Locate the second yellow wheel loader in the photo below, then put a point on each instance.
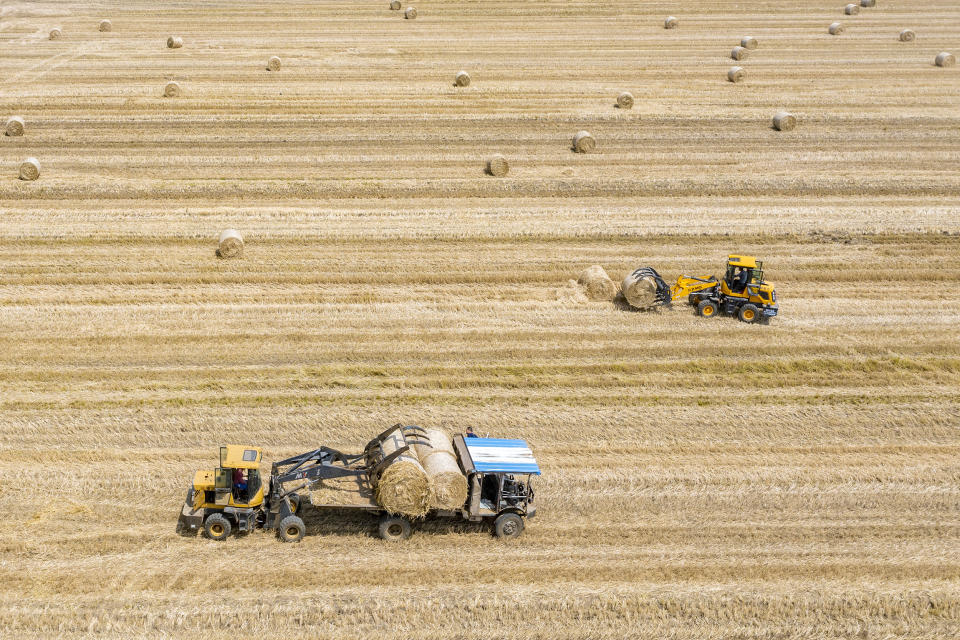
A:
(742, 292)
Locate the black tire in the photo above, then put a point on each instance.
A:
(294, 503)
(693, 299)
(707, 309)
(508, 525)
(217, 527)
(291, 529)
(749, 313)
(394, 528)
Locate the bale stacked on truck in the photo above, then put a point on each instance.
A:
(404, 486)
(448, 485)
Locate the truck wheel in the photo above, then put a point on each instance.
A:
(508, 525)
(707, 309)
(217, 527)
(394, 529)
(749, 313)
(291, 529)
(294, 503)
(693, 299)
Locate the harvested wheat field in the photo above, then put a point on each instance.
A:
(703, 478)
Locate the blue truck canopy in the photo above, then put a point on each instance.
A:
(498, 455)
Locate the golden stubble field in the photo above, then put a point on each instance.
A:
(703, 479)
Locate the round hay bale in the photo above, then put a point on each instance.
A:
(739, 53)
(498, 166)
(29, 169)
(836, 29)
(174, 42)
(404, 487)
(784, 121)
(868, 3)
(583, 142)
(55, 33)
(596, 284)
(171, 90)
(639, 290)
(748, 42)
(625, 100)
(448, 485)
(273, 64)
(14, 126)
(671, 23)
(462, 79)
(395, 5)
(410, 13)
(945, 59)
(907, 35)
(230, 244)
(851, 9)
(106, 25)
(735, 74)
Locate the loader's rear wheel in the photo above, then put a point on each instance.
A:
(217, 527)
(508, 525)
(394, 529)
(707, 309)
(294, 503)
(693, 299)
(291, 529)
(749, 313)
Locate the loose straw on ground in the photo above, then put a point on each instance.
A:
(735, 74)
(945, 59)
(404, 487)
(498, 166)
(174, 42)
(596, 284)
(448, 485)
(784, 121)
(273, 64)
(171, 90)
(14, 126)
(671, 23)
(29, 169)
(583, 142)
(230, 244)
(462, 79)
(625, 100)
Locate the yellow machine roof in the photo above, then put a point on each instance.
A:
(235, 456)
(747, 262)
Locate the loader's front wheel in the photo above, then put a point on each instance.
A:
(291, 529)
(749, 313)
(707, 309)
(508, 525)
(217, 527)
(394, 529)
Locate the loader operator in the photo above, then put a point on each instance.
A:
(470, 433)
(740, 279)
(239, 484)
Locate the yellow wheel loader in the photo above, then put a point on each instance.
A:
(741, 292)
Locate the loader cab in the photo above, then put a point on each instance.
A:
(237, 482)
(741, 272)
